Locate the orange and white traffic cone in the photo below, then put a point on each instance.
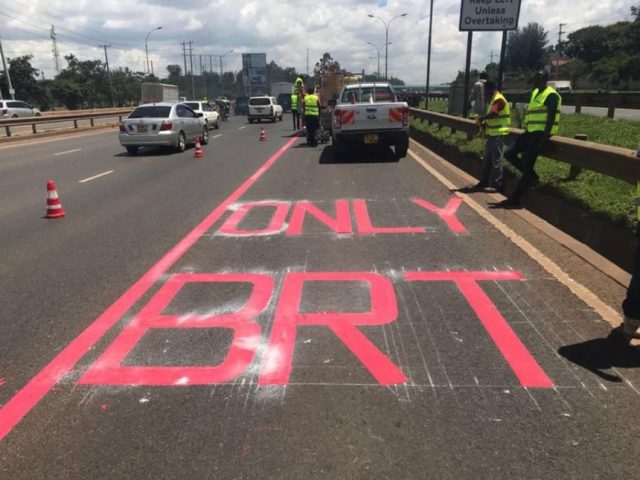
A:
(54, 207)
(263, 134)
(199, 151)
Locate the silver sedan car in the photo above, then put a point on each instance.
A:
(162, 125)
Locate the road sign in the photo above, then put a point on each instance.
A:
(489, 15)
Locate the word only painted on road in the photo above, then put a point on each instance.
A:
(277, 362)
(277, 214)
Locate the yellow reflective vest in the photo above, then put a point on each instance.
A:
(294, 101)
(311, 105)
(498, 126)
(537, 113)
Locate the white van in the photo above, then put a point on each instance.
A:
(561, 86)
(264, 107)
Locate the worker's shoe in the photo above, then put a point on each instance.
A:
(507, 203)
(631, 327)
(478, 187)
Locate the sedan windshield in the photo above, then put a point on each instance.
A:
(151, 112)
(192, 105)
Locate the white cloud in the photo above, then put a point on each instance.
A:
(281, 28)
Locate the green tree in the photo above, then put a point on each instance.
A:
(526, 48)
(24, 79)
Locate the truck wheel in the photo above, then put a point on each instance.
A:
(132, 150)
(181, 146)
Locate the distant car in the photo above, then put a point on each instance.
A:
(162, 125)
(264, 107)
(210, 114)
(284, 99)
(242, 106)
(17, 108)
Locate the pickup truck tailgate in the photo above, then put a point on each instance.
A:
(374, 116)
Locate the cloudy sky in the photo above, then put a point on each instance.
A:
(284, 30)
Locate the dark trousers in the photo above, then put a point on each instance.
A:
(492, 162)
(523, 155)
(631, 304)
(296, 119)
(312, 122)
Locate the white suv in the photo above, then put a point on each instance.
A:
(17, 108)
(209, 113)
(264, 107)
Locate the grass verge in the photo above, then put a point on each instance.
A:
(592, 192)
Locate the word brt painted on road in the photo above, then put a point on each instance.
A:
(277, 363)
(340, 222)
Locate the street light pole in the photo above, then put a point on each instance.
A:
(386, 39)
(426, 97)
(378, 49)
(146, 47)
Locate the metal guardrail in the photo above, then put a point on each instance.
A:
(610, 101)
(72, 117)
(614, 162)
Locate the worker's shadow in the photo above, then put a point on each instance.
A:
(358, 154)
(601, 354)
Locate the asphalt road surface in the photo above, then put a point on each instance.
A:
(272, 311)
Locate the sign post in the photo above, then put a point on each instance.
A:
(487, 16)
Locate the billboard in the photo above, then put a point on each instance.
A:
(254, 71)
(489, 15)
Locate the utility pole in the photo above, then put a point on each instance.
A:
(560, 33)
(54, 49)
(183, 46)
(6, 72)
(307, 62)
(193, 85)
(491, 56)
(204, 80)
(106, 62)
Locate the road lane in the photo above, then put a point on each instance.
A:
(366, 348)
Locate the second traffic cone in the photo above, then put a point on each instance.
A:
(54, 207)
(199, 151)
(263, 134)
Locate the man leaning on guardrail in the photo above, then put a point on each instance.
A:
(494, 123)
(543, 119)
(631, 304)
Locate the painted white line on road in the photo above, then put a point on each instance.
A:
(217, 136)
(68, 151)
(96, 176)
(605, 311)
(240, 128)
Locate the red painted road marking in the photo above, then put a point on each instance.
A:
(447, 214)
(230, 227)
(366, 228)
(341, 224)
(513, 350)
(384, 309)
(29, 396)
(108, 369)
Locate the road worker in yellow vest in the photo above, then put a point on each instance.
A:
(295, 102)
(311, 104)
(542, 119)
(495, 124)
(631, 304)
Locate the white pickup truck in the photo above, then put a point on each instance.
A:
(369, 113)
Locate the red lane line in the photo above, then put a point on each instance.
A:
(28, 397)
